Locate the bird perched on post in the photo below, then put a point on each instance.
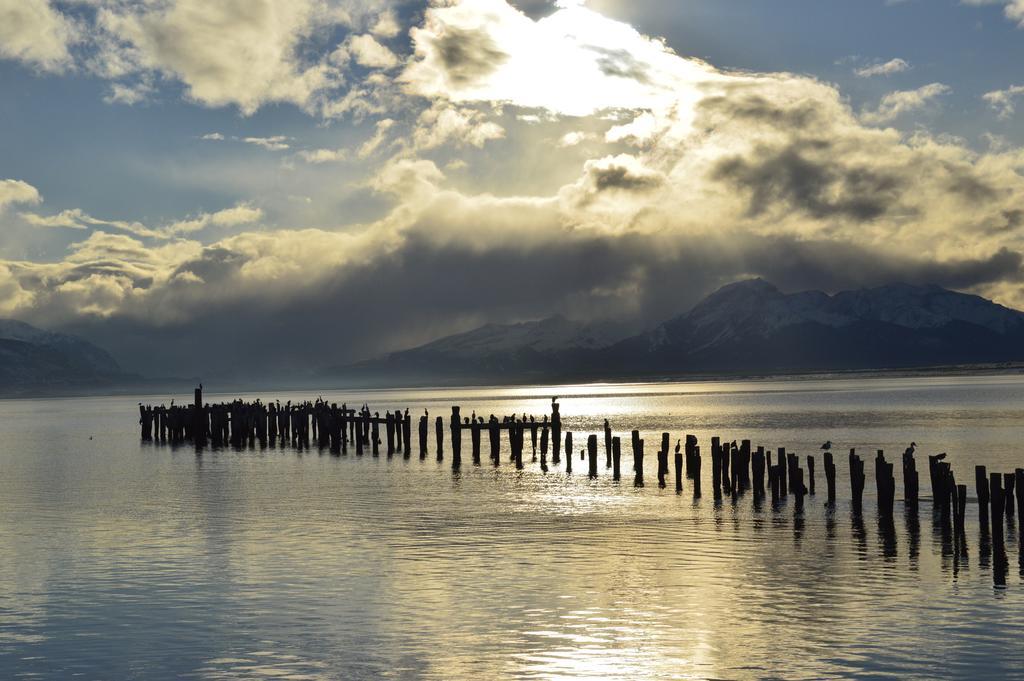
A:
(827, 446)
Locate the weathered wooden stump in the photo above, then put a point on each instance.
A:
(592, 454)
(830, 479)
(638, 461)
(607, 444)
(568, 452)
(856, 480)
(616, 459)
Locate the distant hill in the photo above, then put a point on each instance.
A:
(34, 361)
(552, 346)
(745, 327)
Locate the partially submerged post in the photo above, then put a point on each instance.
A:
(616, 458)
(592, 455)
(638, 460)
(830, 479)
(856, 480)
(981, 486)
(607, 444)
(439, 431)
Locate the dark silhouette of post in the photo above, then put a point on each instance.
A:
(456, 430)
(856, 480)
(607, 444)
(638, 460)
(439, 434)
(592, 456)
(616, 459)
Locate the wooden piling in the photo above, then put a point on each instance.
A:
(439, 433)
(456, 435)
(679, 471)
(885, 485)
(784, 472)
(389, 427)
(592, 456)
(810, 474)
(757, 467)
(1018, 488)
(518, 428)
(830, 479)
(856, 480)
(695, 470)
(998, 506)
(406, 434)
(716, 465)
(616, 458)
(1008, 485)
(607, 444)
(424, 425)
(910, 479)
(981, 487)
(556, 431)
(568, 452)
(638, 462)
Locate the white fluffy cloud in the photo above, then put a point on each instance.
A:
(33, 31)
(691, 176)
(17, 191)
(241, 53)
(1004, 102)
(888, 68)
(895, 104)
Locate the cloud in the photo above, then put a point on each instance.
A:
(68, 219)
(882, 69)
(572, 62)
(17, 191)
(275, 143)
(729, 174)
(571, 139)
(379, 136)
(370, 53)
(76, 218)
(1013, 9)
(318, 156)
(895, 104)
(240, 214)
(213, 136)
(442, 124)
(34, 32)
(1004, 102)
(225, 53)
(386, 25)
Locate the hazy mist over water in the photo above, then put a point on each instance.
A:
(121, 559)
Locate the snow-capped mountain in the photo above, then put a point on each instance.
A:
(752, 326)
(34, 359)
(746, 327)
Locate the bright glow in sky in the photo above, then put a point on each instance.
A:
(170, 166)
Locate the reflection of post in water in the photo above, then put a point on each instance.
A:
(998, 509)
(860, 535)
(913, 524)
(887, 535)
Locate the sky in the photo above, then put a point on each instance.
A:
(281, 185)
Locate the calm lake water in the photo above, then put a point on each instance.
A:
(125, 560)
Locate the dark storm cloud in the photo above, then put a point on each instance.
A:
(621, 64)
(794, 176)
(425, 289)
(622, 177)
(468, 55)
(757, 108)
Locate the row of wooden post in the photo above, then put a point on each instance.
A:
(736, 468)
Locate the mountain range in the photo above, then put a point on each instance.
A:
(747, 327)
(33, 361)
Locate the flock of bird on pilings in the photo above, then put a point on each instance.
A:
(736, 468)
